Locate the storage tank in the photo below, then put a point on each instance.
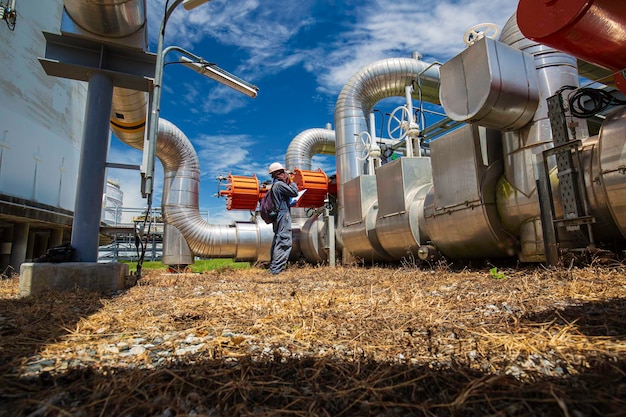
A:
(40, 138)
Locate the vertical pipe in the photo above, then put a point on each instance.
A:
(90, 187)
(370, 159)
(330, 223)
(408, 91)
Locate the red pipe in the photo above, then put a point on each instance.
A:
(592, 30)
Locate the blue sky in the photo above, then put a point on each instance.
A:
(300, 53)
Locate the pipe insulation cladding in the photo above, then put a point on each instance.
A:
(108, 18)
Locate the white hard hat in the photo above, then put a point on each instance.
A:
(276, 166)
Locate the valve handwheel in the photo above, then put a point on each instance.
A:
(366, 141)
(476, 32)
(399, 123)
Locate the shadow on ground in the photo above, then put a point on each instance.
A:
(312, 387)
(598, 318)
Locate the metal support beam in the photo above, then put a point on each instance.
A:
(77, 58)
(546, 208)
(91, 173)
(123, 166)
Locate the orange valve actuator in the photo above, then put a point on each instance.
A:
(242, 193)
(316, 185)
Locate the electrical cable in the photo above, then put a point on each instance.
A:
(139, 239)
(587, 102)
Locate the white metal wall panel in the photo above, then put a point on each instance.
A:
(41, 117)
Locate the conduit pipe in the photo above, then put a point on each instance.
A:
(318, 141)
(309, 232)
(299, 155)
(300, 152)
(240, 241)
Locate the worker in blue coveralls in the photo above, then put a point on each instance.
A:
(282, 190)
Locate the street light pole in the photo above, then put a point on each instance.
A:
(147, 185)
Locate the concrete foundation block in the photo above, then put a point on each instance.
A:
(92, 276)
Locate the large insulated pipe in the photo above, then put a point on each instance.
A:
(516, 191)
(307, 144)
(304, 146)
(241, 241)
(109, 18)
(299, 155)
(374, 82)
(592, 30)
(300, 152)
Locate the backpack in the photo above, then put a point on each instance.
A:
(267, 208)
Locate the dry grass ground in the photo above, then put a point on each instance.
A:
(321, 341)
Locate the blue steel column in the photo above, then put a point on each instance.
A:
(91, 173)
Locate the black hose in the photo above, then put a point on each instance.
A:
(587, 102)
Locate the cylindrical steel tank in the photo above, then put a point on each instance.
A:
(612, 172)
(41, 119)
(41, 116)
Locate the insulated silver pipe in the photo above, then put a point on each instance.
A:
(516, 192)
(317, 141)
(110, 18)
(376, 81)
(300, 153)
(240, 241)
(307, 144)
(379, 80)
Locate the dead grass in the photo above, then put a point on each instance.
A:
(321, 341)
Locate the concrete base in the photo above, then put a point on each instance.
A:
(92, 276)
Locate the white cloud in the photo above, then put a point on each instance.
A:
(219, 154)
(391, 29)
(266, 33)
(324, 162)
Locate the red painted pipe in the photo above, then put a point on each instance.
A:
(592, 30)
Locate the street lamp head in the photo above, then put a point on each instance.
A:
(191, 4)
(221, 76)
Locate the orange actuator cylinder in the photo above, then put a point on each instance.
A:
(242, 193)
(316, 185)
